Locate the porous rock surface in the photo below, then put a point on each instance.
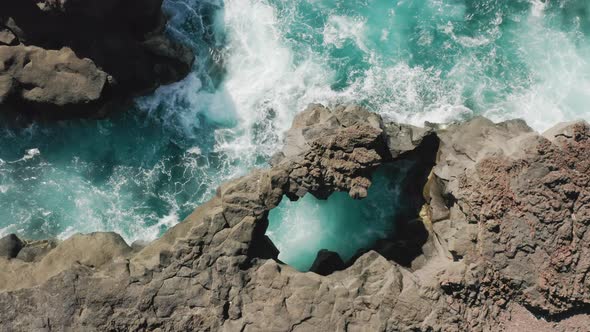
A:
(72, 58)
(506, 212)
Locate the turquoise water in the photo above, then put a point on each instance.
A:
(300, 229)
(262, 61)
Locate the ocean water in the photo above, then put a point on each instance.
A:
(259, 62)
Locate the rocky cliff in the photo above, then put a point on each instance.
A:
(70, 58)
(498, 241)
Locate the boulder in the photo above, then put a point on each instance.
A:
(74, 58)
(335, 145)
(516, 212)
(10, 245)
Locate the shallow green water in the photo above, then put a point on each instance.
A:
(262, 61)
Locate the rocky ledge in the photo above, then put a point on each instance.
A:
(71, 58)
(498, 241)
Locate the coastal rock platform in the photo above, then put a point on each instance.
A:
(505, 210)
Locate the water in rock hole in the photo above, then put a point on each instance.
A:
(300, 229)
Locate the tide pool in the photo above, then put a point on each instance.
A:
(340, 224)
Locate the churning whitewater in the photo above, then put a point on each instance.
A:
(259, 62)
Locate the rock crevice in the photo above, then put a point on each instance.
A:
(72, 58)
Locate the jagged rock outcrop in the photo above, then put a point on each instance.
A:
(72, 58)
(506, 214)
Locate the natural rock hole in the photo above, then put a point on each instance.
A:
(328, 235)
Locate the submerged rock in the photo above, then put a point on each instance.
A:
(71, 58)
(504, 237)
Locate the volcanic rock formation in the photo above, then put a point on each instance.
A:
(70, 58)
(505, 213)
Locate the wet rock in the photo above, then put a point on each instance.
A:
(81, 58)
(31, 76)
(327, 262)
(10, 245)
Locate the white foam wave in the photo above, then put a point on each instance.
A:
(339, 28)
(263, 73)
(559, 87)
(151, 233)
(6, 230)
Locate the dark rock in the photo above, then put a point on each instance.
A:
(10, 245)
(327, 262)
(406, 243)
(119, 47)
(263, 248)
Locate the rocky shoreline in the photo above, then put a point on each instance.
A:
(71, 59)
(498, 242)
